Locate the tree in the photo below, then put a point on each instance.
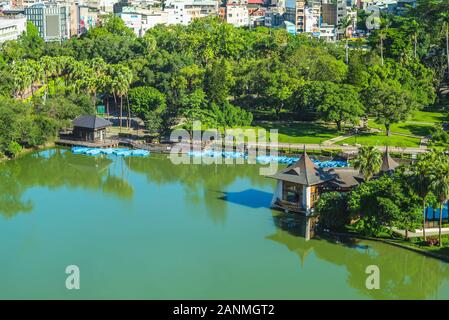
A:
(146, 100)
(414, 28)
(342, 105)
(380, 204)
(333, 210)
(420, 177)
(315, 63)
(384, 24)
(31, 42)
(310, 96)
(444, 17)
(117, 26)
(368, 161)
(218, 81)
(440, 187)
(121, 80)
(389, 103)
(14, 149)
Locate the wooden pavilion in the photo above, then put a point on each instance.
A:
(300, 185)
(90, 128)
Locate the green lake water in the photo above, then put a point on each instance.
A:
(143, 228)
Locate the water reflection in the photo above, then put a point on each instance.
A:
(404, 274)
(55, 168)
(202, 184)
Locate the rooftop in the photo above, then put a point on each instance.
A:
(388, 164)
(91, 122)
(304, 172)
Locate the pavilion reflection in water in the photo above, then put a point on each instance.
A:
(405, 274)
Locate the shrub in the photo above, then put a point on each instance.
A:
(13, 149)
(333, 210)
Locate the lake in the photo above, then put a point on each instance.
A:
(144, 228)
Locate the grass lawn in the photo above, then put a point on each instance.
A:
(430, 117)
(380, 139)
(420, 124)
(417, 129)
(310, 133)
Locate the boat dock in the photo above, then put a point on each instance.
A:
(88, 144)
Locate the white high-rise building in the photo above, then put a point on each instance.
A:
(237, 14)
(11, 27)
(51, 19)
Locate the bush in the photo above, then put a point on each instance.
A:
(333, 210)
(439, 136)
(13, 149)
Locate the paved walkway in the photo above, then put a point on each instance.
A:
(300, 146)
(418, 232)
(424, 143)
(337, 139)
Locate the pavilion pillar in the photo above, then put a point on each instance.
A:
(306, 198)
(277, 192)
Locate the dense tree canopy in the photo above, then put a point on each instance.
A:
(227, 76)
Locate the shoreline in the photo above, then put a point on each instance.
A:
(25, 151)
(392, 242)
(320, 235)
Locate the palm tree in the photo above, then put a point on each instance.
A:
(49, 70)
(105, 84)
(368, 161)
(444, 17)
(440, 187)
(414, 28)
(420, 177)
(22, 75)
(384, 24)
(98, 68)
(121, 80)
(344, 24)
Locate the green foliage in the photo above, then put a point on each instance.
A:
(232, 116)
(333, 211)
(389, 103)
(380, 204)
(31, 42)
(218, 81)
(13, 149)
(145, 100)
(342, 105)
(368, 161)
(439, 136)
(216, 73)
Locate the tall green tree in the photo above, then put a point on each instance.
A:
(389, 103)
(440, 188)
(420, 177)
(218, 81)
(342, 105)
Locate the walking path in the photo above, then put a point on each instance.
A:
(300, 146)
(424, 143)
(337, 139)
(419, 233)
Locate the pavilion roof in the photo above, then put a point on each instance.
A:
(388, 164)
(304, 172)
(91, 122)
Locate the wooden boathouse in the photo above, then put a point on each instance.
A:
(88, 131)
